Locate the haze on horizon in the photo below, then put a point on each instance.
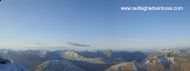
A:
(90, 24)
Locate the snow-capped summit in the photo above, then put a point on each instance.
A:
(4, 51)
(168, 60)
(171, 51)
(167, 54)
(73, 55)
(42, 53)
(164, 57)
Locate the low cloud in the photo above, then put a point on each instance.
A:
(78, 44)
(42, 44)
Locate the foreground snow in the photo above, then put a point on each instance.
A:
(12, 67)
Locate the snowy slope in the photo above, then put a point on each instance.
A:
(58, 65)
(8, 65)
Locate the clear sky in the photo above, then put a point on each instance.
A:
(92, 24)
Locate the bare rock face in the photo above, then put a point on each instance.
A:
(123, 67)
(58, 65)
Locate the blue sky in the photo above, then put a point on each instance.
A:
(96, 24)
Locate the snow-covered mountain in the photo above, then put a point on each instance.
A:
(168, 60)
(73, 55)
(161, 60)
(57, 65)
(70, 60)
(163, 56)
